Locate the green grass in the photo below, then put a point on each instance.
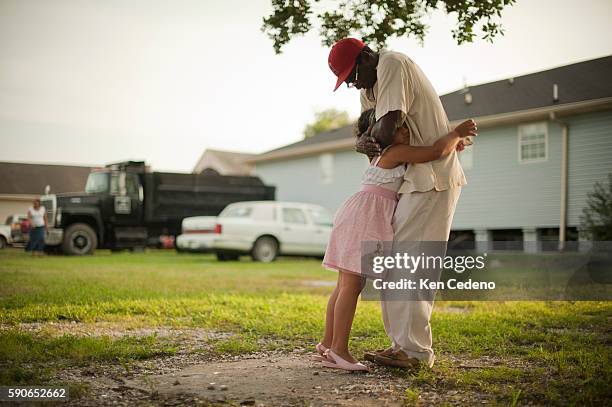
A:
(545, 352)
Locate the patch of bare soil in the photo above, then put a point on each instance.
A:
(274, 380)
(262, 379)
(115, 330)
(196, 375)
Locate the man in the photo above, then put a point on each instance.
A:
(399, 91)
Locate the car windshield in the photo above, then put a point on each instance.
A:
(97, 182)
(321, 217)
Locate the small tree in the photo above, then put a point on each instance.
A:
(596, 219)
(326, 120)
(376, 21)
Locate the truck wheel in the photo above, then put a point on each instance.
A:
(2, 242)
(79, 239)
(265, 249)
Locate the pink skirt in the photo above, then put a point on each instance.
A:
(365, 216)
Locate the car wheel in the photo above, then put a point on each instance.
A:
(265, 249)
(79, 239)
(2, 242)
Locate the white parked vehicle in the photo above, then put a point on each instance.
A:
(263, 229)
(5, 236)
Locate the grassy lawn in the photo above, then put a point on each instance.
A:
(545, 352)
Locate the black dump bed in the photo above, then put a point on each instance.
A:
(170, 196)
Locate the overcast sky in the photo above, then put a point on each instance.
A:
(92, 82)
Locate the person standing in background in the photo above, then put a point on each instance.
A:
(37, 215)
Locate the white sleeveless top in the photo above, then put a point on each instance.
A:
(388, 178)
(38, 216)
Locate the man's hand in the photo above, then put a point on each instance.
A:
(366, 144)
(467, 128)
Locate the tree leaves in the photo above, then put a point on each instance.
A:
(326, 120)
(377, 21)
(596, 219)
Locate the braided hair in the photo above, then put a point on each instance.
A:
(367, 119)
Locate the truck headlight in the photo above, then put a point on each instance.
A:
(58, 217)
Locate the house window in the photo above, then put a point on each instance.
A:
(326, 168)
(466, 158)
(533, 142)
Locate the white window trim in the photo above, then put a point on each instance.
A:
(518, 140)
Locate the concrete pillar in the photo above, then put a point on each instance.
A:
(532, 243)
(484, 240)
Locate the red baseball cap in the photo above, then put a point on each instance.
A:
(342, 58)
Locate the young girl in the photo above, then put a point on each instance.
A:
(367, 216)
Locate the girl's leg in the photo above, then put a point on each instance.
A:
(344, 311)
(328, 334)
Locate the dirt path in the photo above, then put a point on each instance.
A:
(275, 380)
(272, 379)
(197, 376)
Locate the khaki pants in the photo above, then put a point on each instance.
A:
(420, 216)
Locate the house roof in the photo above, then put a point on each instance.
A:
(224, 162)
(577, 82)
(31, 179)
(332, 135)
(512, 98)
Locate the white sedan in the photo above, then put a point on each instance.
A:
(266, 229)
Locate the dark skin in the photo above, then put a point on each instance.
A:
(383, 132)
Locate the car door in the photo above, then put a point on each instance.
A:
(295, 231)
(127, 199)
(322, 226)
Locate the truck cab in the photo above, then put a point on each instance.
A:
(109, 213)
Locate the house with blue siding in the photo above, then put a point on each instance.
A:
(544, 140)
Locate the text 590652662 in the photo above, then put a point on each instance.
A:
(32, 393)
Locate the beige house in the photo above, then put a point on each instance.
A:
(20, 183)
(225, 162)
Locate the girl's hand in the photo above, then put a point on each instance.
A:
(467, 128)
(367, 144)
(460, 146)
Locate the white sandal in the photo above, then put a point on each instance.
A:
(321, 350)
(339, 363)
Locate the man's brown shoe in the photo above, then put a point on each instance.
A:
(397, 359)
(371, 355)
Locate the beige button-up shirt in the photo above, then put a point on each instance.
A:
(402, 85)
